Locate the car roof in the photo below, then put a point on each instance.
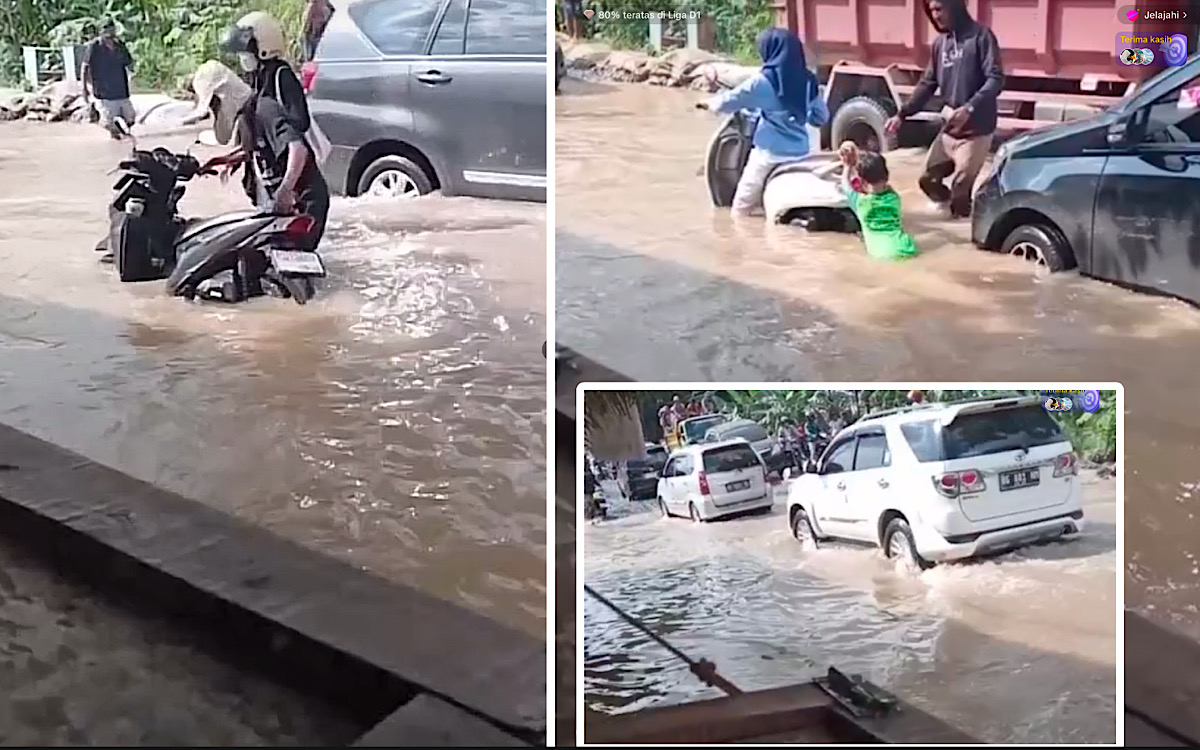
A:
(705, 447)
(943, 412)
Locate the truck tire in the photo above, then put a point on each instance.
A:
(861, 119)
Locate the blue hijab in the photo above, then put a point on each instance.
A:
(785, 69)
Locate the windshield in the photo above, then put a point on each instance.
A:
(656, 458)
(694, 429)
(729, 458)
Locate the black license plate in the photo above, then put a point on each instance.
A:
(1015, 480)
(735, 486)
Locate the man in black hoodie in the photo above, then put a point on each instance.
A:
(964, 66)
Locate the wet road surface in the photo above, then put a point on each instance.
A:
(1016, 648)
(396, 422)
(654, 282)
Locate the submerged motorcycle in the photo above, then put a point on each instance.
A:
(229, 258)
(805, 191)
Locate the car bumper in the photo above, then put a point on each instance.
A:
(643, 490)
(712, 510)
(986, 209)
(336, 170)
(932, 546)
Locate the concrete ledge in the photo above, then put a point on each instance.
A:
(430, 722)
(1162, 686)
(322, 625)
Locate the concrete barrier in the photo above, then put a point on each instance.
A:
(416, 666)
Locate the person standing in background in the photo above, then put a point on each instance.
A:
(572, 11)
(316, 16)
(105, 72)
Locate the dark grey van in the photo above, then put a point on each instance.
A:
(421, 95)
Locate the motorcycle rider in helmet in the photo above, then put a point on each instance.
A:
(282, 171)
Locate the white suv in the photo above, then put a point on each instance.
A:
(711, 480)
(943, 482)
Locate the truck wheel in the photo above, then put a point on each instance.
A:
(861, 119)
(1042, 244)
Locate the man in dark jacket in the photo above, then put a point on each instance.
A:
(965, 67)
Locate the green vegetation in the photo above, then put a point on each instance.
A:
(736, 23)
(167, 38)
(1094, 435)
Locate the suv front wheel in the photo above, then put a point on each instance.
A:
(898, 544)
(802, 530)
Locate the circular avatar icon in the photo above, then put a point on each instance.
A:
(1147, 56)
(1090, 401)
(1066, 403)
(1126, 56)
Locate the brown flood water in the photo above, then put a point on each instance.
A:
(1019, 647)
(396, 422)
(654, 282)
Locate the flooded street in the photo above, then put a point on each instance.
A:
(654, 282)
(396, 421)
(1017, 648)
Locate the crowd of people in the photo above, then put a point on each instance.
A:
(671, 414)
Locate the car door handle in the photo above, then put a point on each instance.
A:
(883, 483)
(433, 77)
(841, 485)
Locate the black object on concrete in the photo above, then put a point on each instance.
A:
(367, 646)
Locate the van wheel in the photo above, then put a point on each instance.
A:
(898, 544)
(394, 177)
(1042, 244)
(662, 507)
(695, 514)
(861, 119)
(802, 530)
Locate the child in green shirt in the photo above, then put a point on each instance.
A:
(877, 206)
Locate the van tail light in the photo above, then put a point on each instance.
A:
(955, 483)
(704, 490)
(308, 75)
(1066, 465)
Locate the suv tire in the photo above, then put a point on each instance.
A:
(694, 514)
(802, 530)
(898, 543)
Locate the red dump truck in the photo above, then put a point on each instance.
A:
(1059, 57)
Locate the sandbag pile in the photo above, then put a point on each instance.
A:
(55, 102)
(678, 68)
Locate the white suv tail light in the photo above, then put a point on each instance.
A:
(955, 483)
(1066, 465)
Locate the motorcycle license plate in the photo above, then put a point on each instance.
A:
(298, 262)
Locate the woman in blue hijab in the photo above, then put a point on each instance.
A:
(787, 99)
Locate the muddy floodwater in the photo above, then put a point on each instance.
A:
(653, 281)
(396, 421)
(74, 671)
(1017, 648)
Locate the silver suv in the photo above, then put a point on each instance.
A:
(420, 95)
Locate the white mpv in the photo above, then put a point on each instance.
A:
(710, 480)
(943, 482)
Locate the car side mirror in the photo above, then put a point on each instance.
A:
(1118, 133)
(832, 468)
